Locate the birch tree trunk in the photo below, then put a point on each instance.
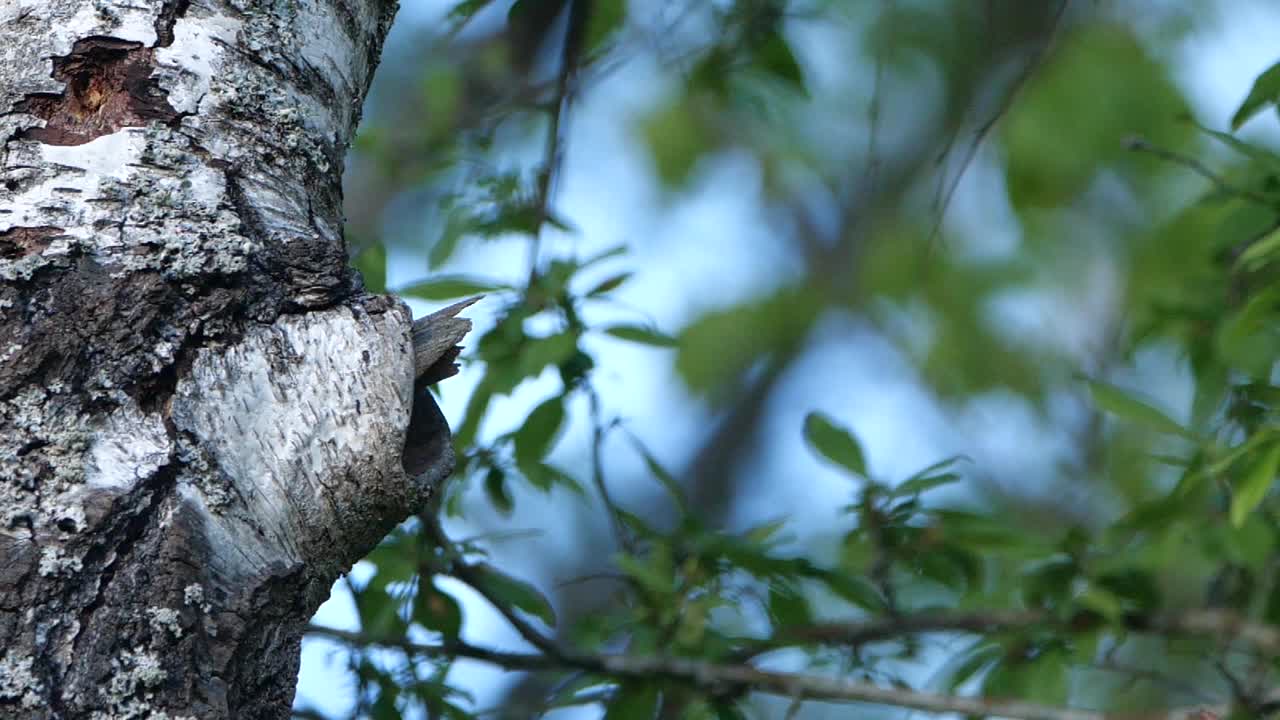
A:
(203, 415)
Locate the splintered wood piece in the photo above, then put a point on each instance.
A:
(435, 342)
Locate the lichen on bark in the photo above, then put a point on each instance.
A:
(202, 413)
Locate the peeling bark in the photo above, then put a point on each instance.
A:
(107, 86)
(203, 415)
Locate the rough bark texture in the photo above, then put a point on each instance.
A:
(202, 414)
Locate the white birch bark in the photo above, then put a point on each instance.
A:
(202, 414)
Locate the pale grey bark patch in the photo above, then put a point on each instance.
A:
(203, 416)
(306, 420)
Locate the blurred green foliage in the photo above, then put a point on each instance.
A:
(1130, 224)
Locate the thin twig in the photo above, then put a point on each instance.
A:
(616, 578)
(980, 135)
(857, 634)
(881, 573)
(1138, 144)
(553, 151)
(873, 118)
(620, 533)
(444, 650)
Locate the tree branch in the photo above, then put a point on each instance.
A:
(1138, 144)
(1220, 625)
(715, 677)
(558, 110)
(445, 650)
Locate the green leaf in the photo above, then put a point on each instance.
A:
(641, 334)
(677, 137)
(506, 339)
(986, 533)
(545, 476)
(1271, 607)
(477, 405)
(834, 443)
(1265, 91)
(1006, 678)
(727, 710)
(609, 284)
(756, 559)
(855, 589)
(495, 486)
(787, 605)
(1163, 513)
(535, 437)
(972, 663)
(711, 73)
(1137, 589)
(1052, 155)
(1103, 602)
(1253, 488)
(919, 485)
(766, 534)
(1048, 678)
(636, 524)
(606, 17)
(655, 576)
(775, 57)
(379, 613)
(536, 353)
(575, 369)
(1249, 338)
(448, 287)
(553, 281)
(384, 708)
(517, 593)
(510, 220)
(663, 477)
(950, 565)
(928, 479)
(559, 223)
(396, 560)
(447, 243)
(634, 702)
(607, 253)
(372, 264)
(1262, 251)
(1047, 583)
(1125, 406)
(719, 347)
(463, 11)
(437, 610)
(1230, 455)
(1264, 156)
